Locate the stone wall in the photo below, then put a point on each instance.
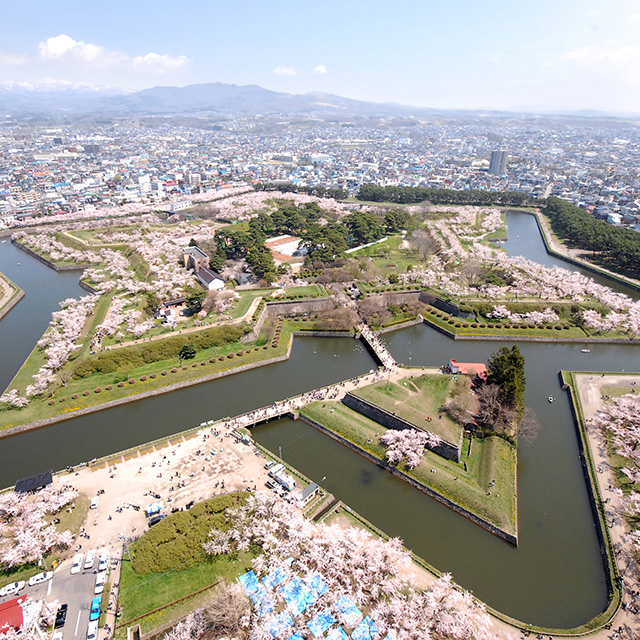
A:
(48, 263)
(481, 522)
(445, 449)
(288, 307)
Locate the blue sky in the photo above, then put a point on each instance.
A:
(545, 55)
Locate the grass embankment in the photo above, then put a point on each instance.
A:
(417, 400)
(466, 483)
(128, 381)
(169, 563)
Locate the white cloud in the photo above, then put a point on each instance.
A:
(7, 58)
(159, 63)
(320, 70)
(634, 18)
(63, 48)
(623, 61)
(284, 71)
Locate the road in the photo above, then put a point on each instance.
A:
(77, 591)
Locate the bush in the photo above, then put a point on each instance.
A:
(52, 402)
(174, 370)
(109, 387)
(97, 390)
(62, 399)
(132, 381)
(85, 393)
(221, 358)
(121, 384)
(230, 356)
(265, 346)
(143, 378)
(164, 373)
(483, 325)
(240, 354)
(74, 396)
(203, 363)
(212, 360)
(474, 325)
(153, 376)
(195, 364)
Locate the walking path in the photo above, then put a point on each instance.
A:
(379, 347)
(246, 317)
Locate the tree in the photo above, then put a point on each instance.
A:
(261, 261)
(363, 228)
(187, 352)
(396, 220)
(506, 369)
(194, 302)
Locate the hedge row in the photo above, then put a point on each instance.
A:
(126, 358)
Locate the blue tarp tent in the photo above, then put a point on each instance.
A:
(275, 578)
(279, 624)
(337, 634)
(295, 636)
(316, 584)
(249, 582)
(365, 630)
(320, 623)
(261, 602)
(297, 596)
(348, 613)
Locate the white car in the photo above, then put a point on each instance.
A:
(104, 560)
(40, 577)
(92, 630)
(77, 563)
(101, 578)
(88, 563)
(12, 588)
(95, 501)
(57, 635)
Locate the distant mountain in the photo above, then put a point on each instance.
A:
(52, 98)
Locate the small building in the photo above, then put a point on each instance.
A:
(210, 279)
(194, 258)
(308, 493)
(34, 483)
(467, 368)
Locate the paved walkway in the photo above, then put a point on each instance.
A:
(379, 347)
(6, 291)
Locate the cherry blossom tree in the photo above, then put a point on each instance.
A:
(408, 445)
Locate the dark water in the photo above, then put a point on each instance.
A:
(554, 578)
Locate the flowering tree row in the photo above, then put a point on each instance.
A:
(408, 445)
(25, 533)
(352, 563)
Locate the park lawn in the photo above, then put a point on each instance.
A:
(142, 593)
(242, 304)
(306, 291)
(534, 332)
(617, 390)
(486, 460)
(415, 400)
(191, 371)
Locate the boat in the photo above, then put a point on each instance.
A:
(19, 264)
(586, 350)
(550, 398)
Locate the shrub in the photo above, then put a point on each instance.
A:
(491, 325)
(230, 356)
(121, 384)
(98, 390)
(174, 370)
(558, 327)
(265, 346)
(109, 387)
(74, 396)
(143, 378)
(458, 325)
(474, 325)
(52, 402)
(483, 325)
(62, 399)
(203, 363)
(164, 373)
(153, 376)
(221, 358)
(212, 360)
(195, 364)
(132, 381)
(240, 354)
(85, 393)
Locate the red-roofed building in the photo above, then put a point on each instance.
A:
(467, 368)
(11, 614)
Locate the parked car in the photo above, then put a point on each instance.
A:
(11, 588)
(92, 630)
(40, 577)
(57, 635)
(156, 519)
(95, 501)
(94, 613)
(77, 563)
(61, 616)
(104, 560)
(88, 563)
(101, 578)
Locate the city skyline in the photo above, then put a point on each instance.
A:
(547, 57)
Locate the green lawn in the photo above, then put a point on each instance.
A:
(415, 400)
(306, 291)
(63, 402)
(487, 460)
